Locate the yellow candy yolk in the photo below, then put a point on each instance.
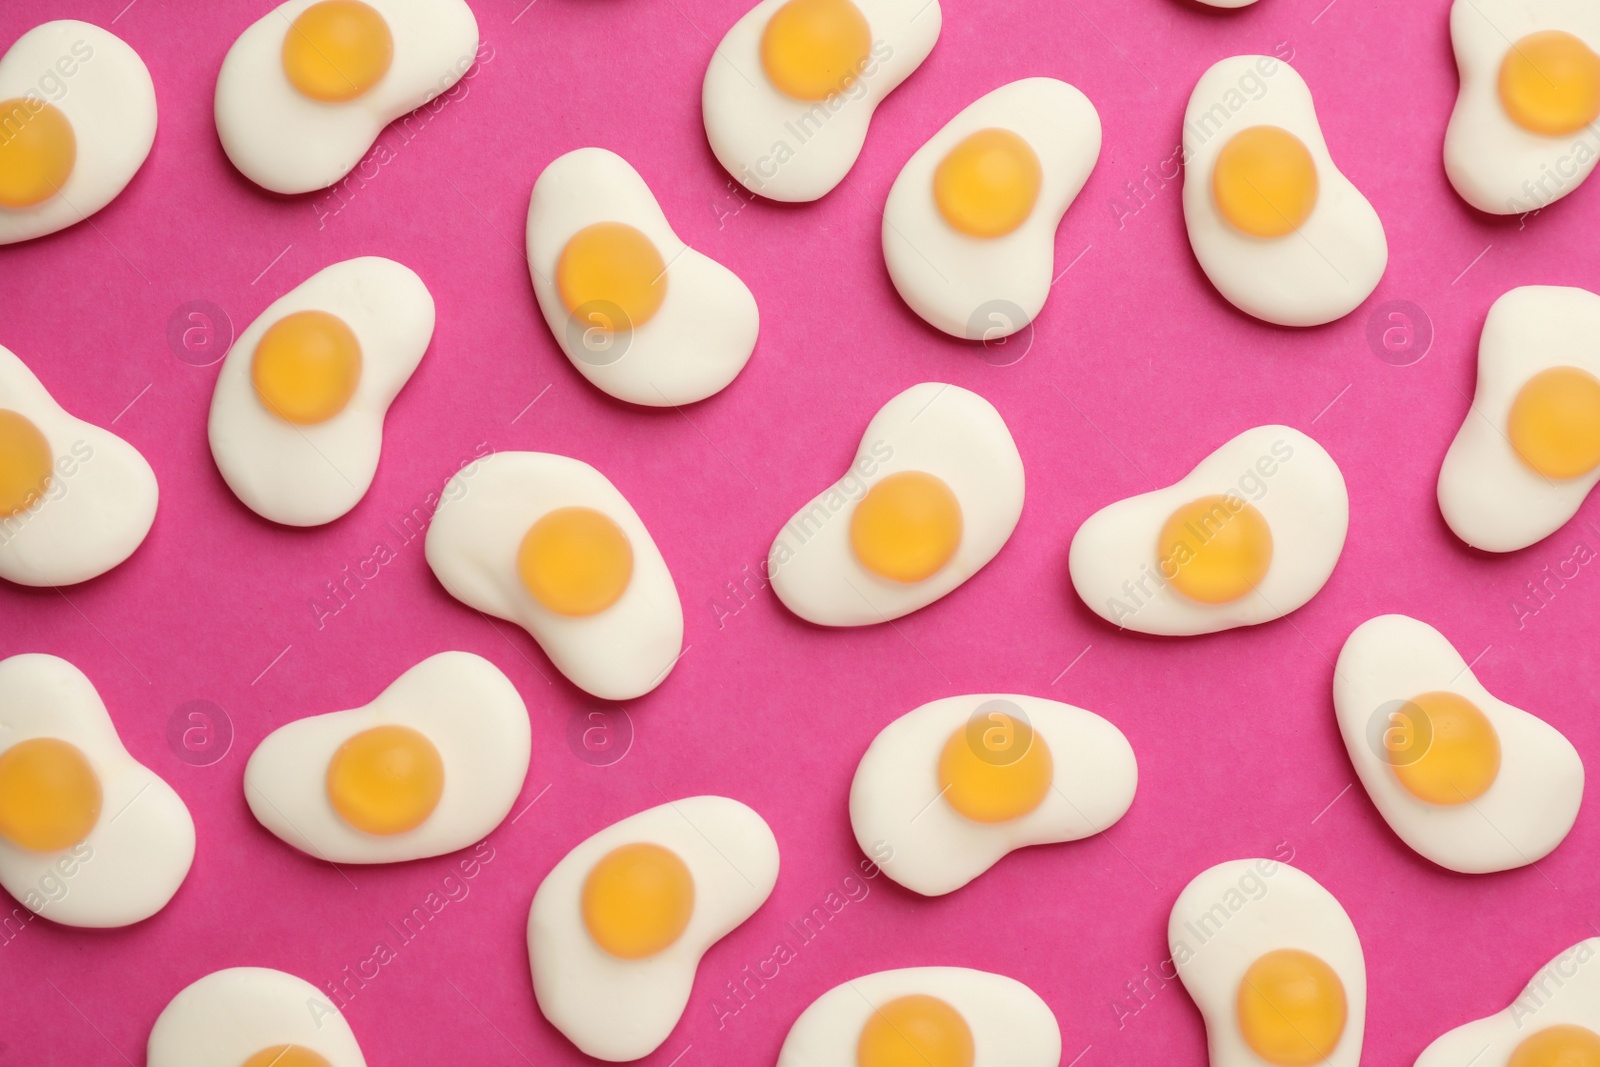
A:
(286, 1056)
(1265, 182)
(1215, 549)
(614, 266)
(49, 795)
(637, 900)
(986, 186)
(907, 527)
(386, 780)
(1291, 1008)
(575, 561)
(1555, 422)
(337, 50)
(306, 367)
(37, 152)
(24, 464)
(1563, 1045)
(812, 49)
(1550, 83)
(915, 1031)
(995, 770)
(1462, 758)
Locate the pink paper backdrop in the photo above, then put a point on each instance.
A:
(1137, 369)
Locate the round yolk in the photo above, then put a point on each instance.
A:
(637, 900)
(37, 151)
(286, 1056)
(1564, 1045)
(337, 50)
(386, 780)
(1215, 549)
(306, 367)
(612, 263)
(575, 561)
(1462, 758)
(915, 1031)
(1291, 1008)
(906, 527)
(1555, 422)
(24, 464)
(1265, 182)
(1550, 83)
(997, 771)
(49, 795)
(812, 49)
(986, 186)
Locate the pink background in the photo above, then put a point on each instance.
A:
(1137, 370)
